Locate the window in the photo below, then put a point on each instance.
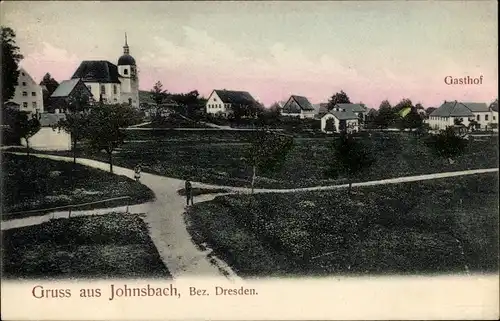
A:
(485, 117)
(115, 89)
(24, 83)
(33, 104)
(494, 117)
(23, 74)
(25, 93)
(25, 104)
(33, 93)
(125, 71)
(103, 89)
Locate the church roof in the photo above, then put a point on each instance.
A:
(127, 60)
(101, 71)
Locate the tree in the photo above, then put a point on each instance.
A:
(26, 127)
(75, 124)
(105, 128)
(51, 85)
(447, 144)
(385, 116)
(267, 152)
(11, 57)
(338, 98)
(350, 158)
(159, 95)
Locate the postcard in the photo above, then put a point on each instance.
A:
(249, 160)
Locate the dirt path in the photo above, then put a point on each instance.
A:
(165, 215)
(165, 218)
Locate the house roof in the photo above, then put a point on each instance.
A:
(100, 71)
(342, 115)
(235, 97)
(477, 107)
(303, 102)
(457, 109)
(65, 88)
(356, 108)
(49, 119)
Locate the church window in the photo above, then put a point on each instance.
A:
(103, 89)
(25, 93)
(115, 90)
(24, 83)
(125, 71)
(25, 104)
(33, 93)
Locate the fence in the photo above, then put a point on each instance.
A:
(70, 208)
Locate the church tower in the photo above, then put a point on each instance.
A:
(129, 91)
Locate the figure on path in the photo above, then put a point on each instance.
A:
(137, 172)
(189, 192)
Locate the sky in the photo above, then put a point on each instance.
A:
(373, 50)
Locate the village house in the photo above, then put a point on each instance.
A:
(340, 118)
(223, 102)
(67, 92)
(28, 94)
(453, 112)
(298, 106)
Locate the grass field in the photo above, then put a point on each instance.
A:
(105, 246)
(36, 183)
(215, 157)
(410, 228)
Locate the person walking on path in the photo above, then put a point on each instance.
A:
(189, 192)
(137, 172)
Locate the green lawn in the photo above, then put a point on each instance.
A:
(36, 183)
(107, 246)
(215, 157)
(409, 228)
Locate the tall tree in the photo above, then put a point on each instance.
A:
(51, 85)
(26, 126)
(350, 158)
(77, 119)
(338, 98)
(385, 116)
(11, 57)
(105, 131)
(267, 152)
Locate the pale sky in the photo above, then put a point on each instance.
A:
(373, 50)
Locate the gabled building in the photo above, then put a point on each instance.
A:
(113, 84)
(68, 91)
(223, 102)
(298, 106)
(28, 94)
(453, 112)
(339, 119)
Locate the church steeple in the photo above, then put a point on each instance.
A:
(126, 50)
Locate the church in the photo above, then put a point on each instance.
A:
(110, 83)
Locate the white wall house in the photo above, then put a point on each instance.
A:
(449, 112)
(348, 119)
(28, 94)
(220, 102)
(298, 106)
